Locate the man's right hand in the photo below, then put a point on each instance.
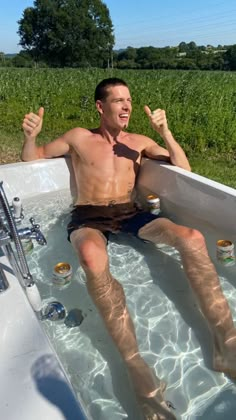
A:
(32, 124)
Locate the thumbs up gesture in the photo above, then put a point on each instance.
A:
(32, 124)
(157, 119)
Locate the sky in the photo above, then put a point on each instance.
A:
(139, 23)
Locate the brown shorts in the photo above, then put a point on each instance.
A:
(114, 218)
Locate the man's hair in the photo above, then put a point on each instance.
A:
(101, 91)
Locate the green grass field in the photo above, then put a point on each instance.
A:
(200, 109)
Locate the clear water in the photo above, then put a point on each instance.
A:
(172, 336)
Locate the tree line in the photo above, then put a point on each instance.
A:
(80, 33)
(185, 56)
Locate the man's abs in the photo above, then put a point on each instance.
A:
(100, 190)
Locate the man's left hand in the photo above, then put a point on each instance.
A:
(157, 119)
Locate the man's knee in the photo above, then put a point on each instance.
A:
(194, 235)
(192, 238)
(92, 255)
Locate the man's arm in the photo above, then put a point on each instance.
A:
(32, 125)
(174, 150)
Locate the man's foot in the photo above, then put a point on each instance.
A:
(155, 408)
(224, 358)
(149, 390)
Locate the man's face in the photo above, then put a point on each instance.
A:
(115, 110)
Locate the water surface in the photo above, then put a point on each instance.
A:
(172, 335)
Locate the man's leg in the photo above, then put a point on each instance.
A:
(205, 283)
(108, 296)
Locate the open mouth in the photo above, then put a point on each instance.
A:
(124, 116)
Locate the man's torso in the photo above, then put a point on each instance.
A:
(105, 171)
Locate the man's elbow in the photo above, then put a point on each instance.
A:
(37, 153)
(25, 157)
(182, 165)
(187, 167)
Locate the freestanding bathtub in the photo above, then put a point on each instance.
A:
(35, 382)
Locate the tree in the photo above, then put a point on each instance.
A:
(75, 33)
(192, 46)
(183, 47)
(230, 57)
(23, 59)
(129, 54)
(147, 57)
(2, 57)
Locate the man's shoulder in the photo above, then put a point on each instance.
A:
(141, 138)
(78, 133)
(80, 130)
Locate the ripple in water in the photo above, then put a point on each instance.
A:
(172, 336)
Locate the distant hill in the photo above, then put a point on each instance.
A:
(10, 55)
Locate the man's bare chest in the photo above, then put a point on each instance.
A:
(117, 154)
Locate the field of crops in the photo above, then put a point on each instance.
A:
(200, 108)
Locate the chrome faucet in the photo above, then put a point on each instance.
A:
(24, 233)
(9, 232)
(32, 233)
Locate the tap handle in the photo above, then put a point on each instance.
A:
(17, 207)
(40, 238)
(35, 226)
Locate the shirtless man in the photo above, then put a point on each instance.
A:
(106, 162)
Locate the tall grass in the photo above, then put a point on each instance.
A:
(200, 106)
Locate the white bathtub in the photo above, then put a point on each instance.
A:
(35, 384)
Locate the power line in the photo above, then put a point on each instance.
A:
(188, 20)
(203, 24)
